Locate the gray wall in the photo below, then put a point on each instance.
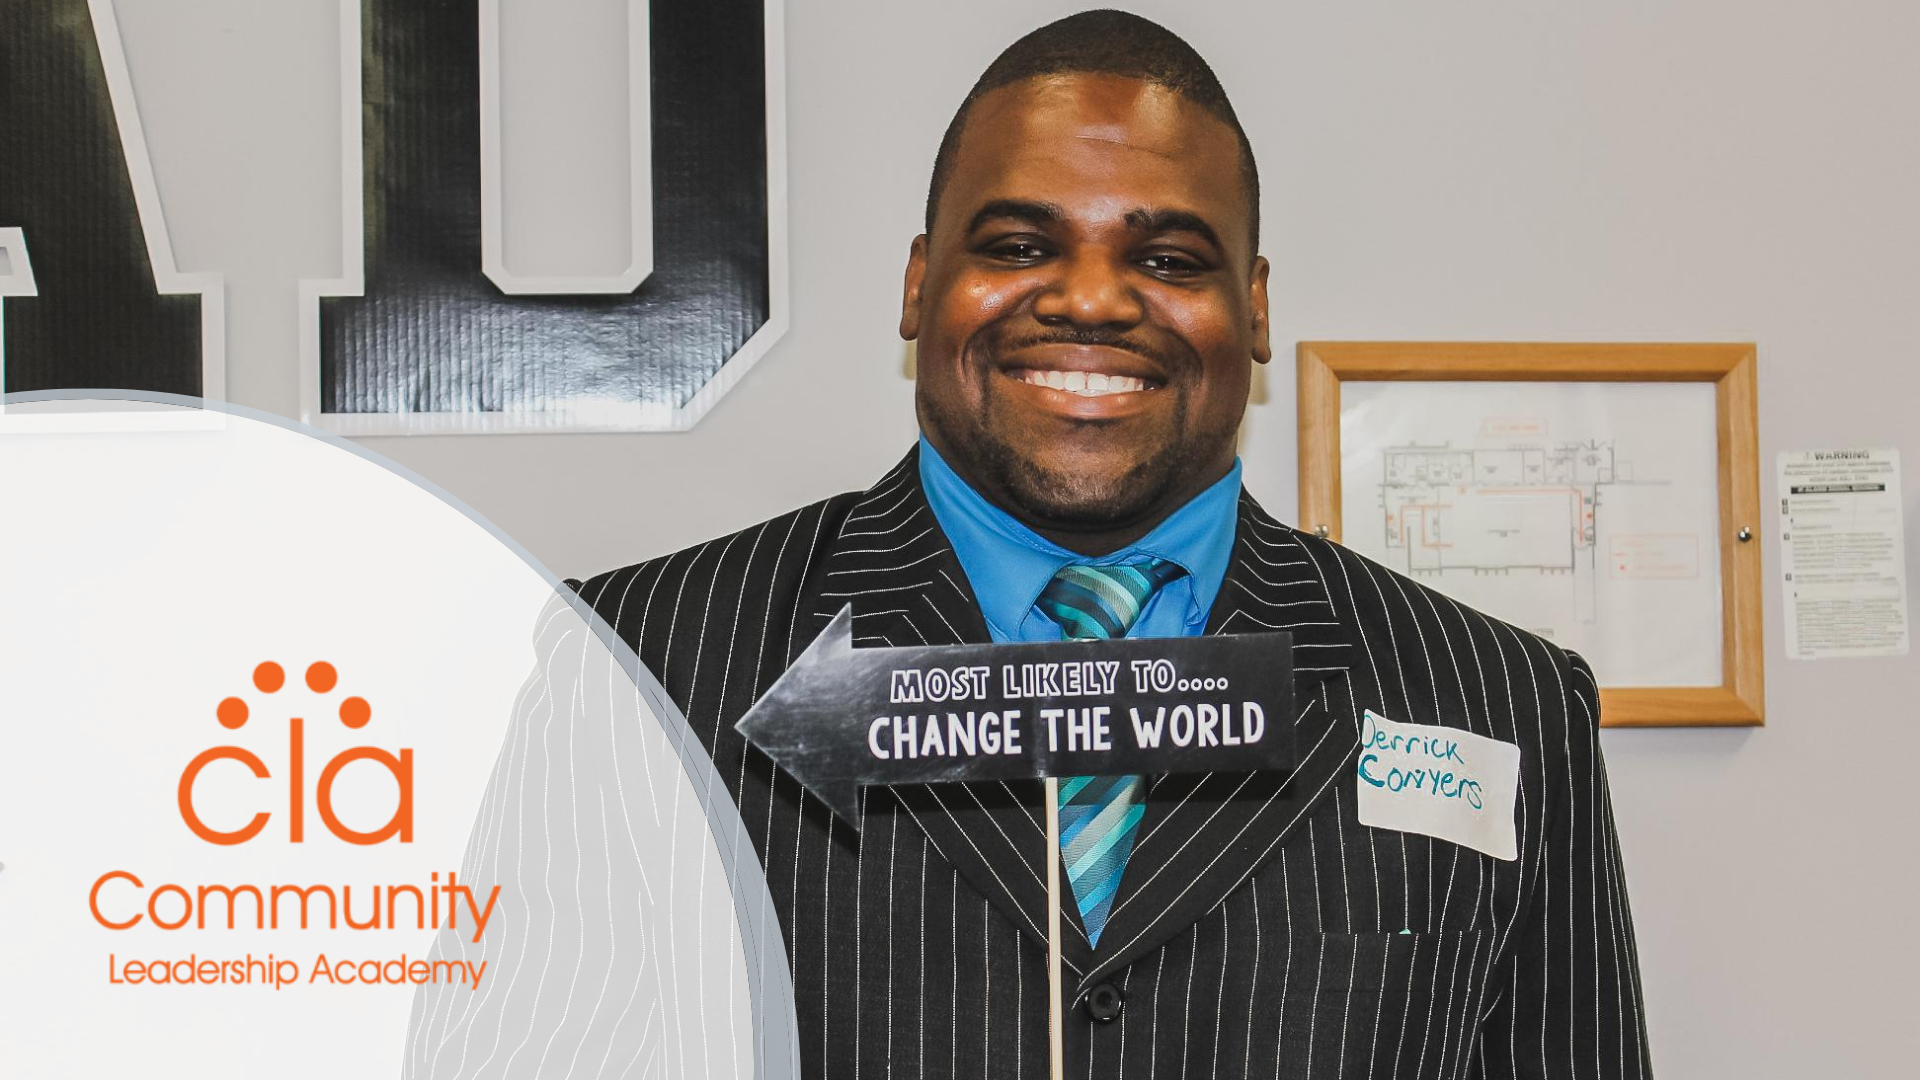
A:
(1688, 170)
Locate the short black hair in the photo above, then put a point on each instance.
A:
(1104, 42)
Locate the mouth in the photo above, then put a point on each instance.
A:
(1086, 384)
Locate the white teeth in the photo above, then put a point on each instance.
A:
(1085, 384)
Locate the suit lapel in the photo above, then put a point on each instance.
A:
(1205, 834)
(893, 564)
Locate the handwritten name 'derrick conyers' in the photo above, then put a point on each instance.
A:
(1430, 762)
(1440, 781)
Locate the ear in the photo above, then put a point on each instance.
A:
(910, 294)
(1262, 347)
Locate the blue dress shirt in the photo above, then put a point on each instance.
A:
(1008, 563)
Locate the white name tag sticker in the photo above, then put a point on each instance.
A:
(1440, 782)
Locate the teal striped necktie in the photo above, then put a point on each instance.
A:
(1100, 814)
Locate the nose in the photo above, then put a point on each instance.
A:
(1089, 291)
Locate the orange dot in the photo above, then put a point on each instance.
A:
(232, 712)
(268, 677)
(321, 677)
(355, 712)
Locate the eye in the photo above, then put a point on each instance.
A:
(1019, 251)
(1172, 264)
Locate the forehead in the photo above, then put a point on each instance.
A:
(1097, 146)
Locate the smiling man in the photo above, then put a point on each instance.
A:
(1088, 305)
(1086, 297)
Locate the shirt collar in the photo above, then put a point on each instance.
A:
(1008, 563)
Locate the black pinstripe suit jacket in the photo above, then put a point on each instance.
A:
(1260, 930)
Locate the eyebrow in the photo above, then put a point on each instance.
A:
(1166, 221)
(1037, 213)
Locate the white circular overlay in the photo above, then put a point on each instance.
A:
(246, 668)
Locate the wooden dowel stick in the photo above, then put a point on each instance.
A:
(1056, 1023)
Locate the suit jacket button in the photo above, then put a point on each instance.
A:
(1104, 1003)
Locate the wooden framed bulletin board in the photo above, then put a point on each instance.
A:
(1605, 496)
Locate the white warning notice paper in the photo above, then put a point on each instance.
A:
(1842, 553)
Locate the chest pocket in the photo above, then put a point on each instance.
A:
(1339, 963)
(1403, 1005)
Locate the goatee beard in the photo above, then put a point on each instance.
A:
(1074, 500)
(1056, 500)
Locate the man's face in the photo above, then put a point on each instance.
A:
(1088, 302)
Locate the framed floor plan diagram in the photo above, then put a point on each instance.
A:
(1605, 497)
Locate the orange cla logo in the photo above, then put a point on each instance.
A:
(354, 713)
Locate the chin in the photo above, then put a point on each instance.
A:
(1087, 492)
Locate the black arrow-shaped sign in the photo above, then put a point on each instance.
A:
(842, 717)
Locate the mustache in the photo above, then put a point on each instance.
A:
(1097, 337)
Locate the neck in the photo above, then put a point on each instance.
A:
(1095, 538)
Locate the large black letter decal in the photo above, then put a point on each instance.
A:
(430, 343)
(108, 309)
